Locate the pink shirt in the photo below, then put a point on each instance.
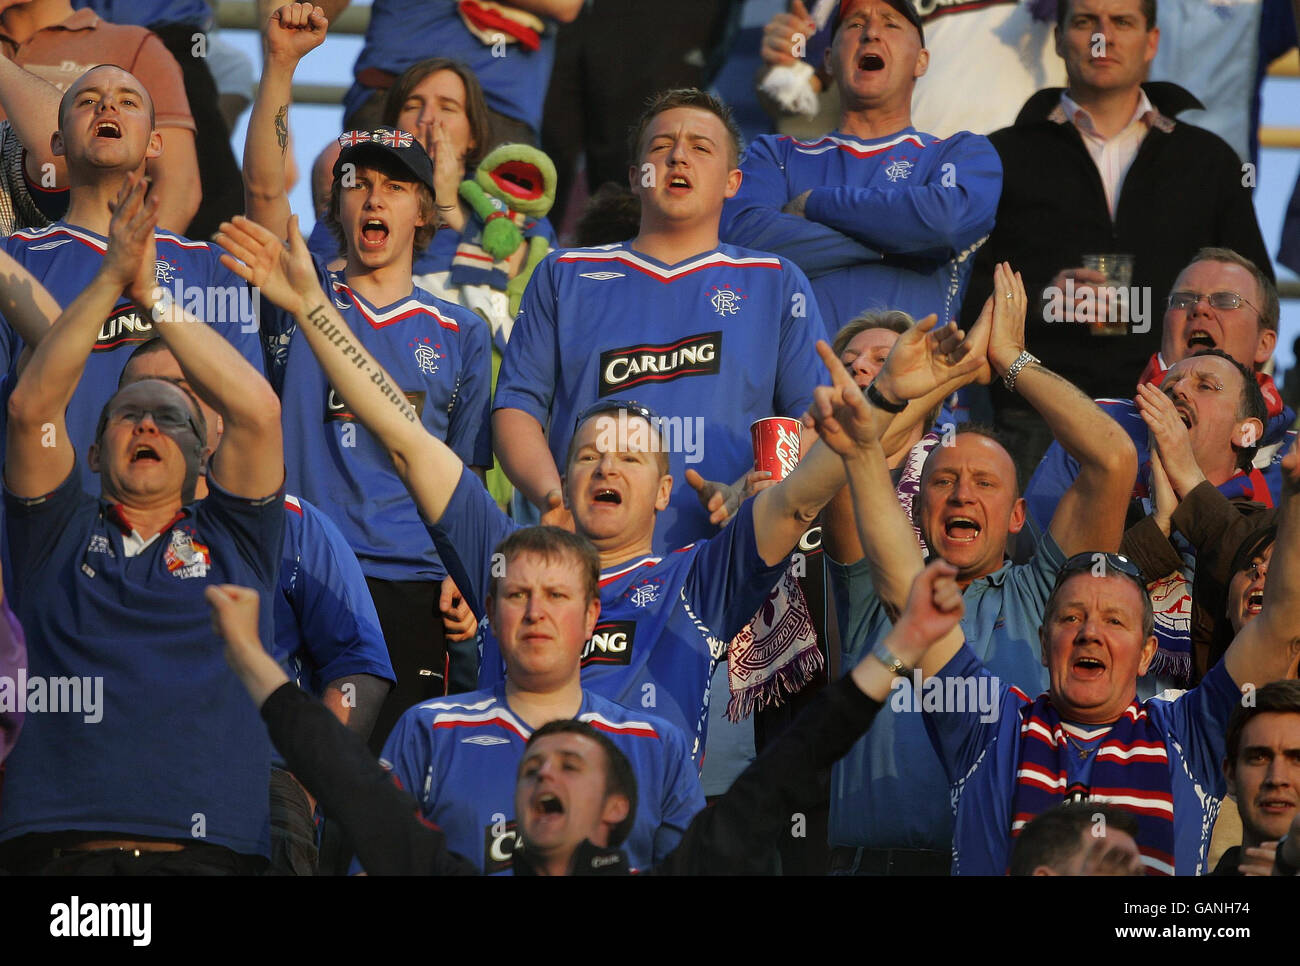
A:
(1113, 156)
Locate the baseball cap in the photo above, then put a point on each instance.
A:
(904, 7)
(390, 142)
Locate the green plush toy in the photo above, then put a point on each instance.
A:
(515, 183)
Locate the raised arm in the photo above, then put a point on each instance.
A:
(32, 106)
(1090, 516)
(291, 32)
(39, 455)
(734, 835)
(288, 278)
(1267, 648)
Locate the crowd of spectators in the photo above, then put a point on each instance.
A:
(429, 542)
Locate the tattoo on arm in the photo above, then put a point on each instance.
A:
(319, 317)
(282, 126)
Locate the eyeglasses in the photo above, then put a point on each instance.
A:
(1223, 301)
(170, 419)
(1100, 565)
(629, 406)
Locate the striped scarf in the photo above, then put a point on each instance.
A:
(1130, 771)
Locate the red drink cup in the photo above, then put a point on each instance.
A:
(776, 445)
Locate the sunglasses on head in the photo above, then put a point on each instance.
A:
(1100, 564)
(629, 406)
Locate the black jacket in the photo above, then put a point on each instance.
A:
(1185, 190)
(734, 837)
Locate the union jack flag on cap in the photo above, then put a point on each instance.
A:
(351, 139)
(394, 139)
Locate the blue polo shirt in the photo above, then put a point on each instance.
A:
(175, 747)
(890, 790)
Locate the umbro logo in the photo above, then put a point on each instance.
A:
(600, 276)
(47, 246)
(485, 741)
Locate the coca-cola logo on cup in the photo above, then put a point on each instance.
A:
(787, 449)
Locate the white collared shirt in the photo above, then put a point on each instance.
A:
(1113, 155)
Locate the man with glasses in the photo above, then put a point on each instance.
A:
(163, 770)
(1011, 758)
(889, 811)
(1105, 167)
(1233, 439)
(1220, 300)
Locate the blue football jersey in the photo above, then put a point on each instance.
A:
(438, 354)
(64, 258)
(664, 621)
(710, 344)
(326, 626)
(167, 742)
(892, 223)
(459, 757)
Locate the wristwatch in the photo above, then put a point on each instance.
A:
(876, 399)
(1022, 360)
(890, 660)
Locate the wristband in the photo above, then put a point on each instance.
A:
(890, 660)
(876, 399)
(1022, 360)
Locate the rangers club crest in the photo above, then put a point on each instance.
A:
(725, 300)
(426, 355)
(185, 557)
(162, 270)
(644, 594)
(898, 169)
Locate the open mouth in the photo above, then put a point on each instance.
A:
(519, 179)
(1088, 667)
(1185, 414)
(374, 232)
(871, 62)
(108, 129)
(961, 529)
(607, 496)
(145, 453)
(1200, 339)
(679, 181)
(1255, 601)
(547, 804)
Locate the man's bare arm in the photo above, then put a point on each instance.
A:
(290, 33)
(1090, 516)
(520, 445)
(426, 465)
(39, 455)
(32, 106)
